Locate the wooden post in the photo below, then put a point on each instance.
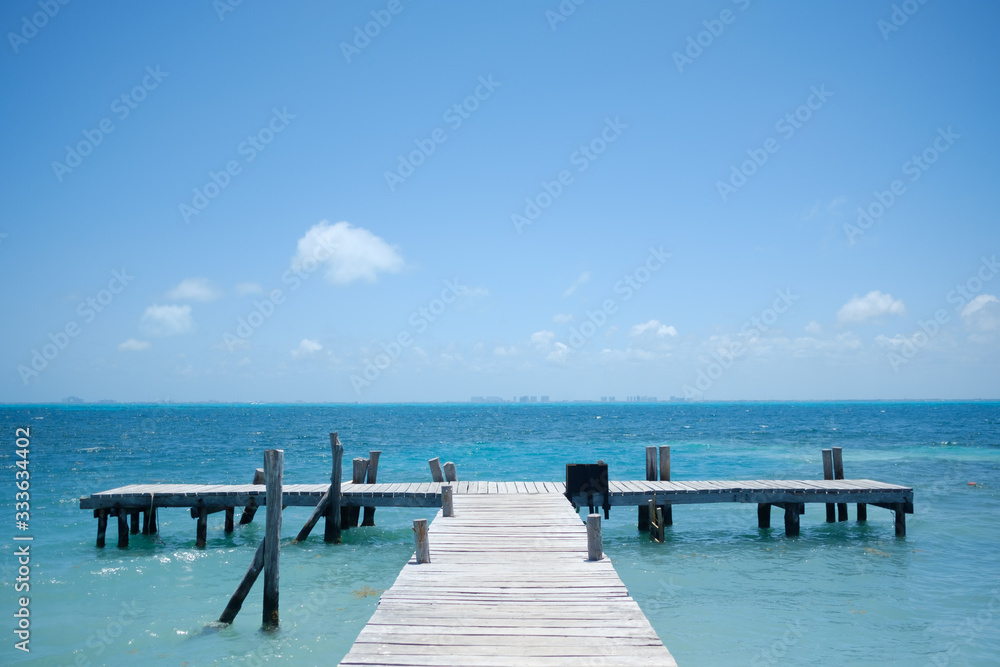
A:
(659, 524)
(274, 463)
(651, 513)
(369, 518)
(145, 522)
(792, 511)
(828, 474)
(668, 510)
(862, 512)
(449, 472)
(436, 474)
(650, 477)
(763, 515)
(423, 552)
(900, 510)
(102, 527)
(838, 473)
(152, 521)
(230, 511)
(332, 532)
(202, 533)
(236, 602)
(251, 509)
(133, 521)
(595, 545)
(122, 529)
(360, 470)
(447, 501)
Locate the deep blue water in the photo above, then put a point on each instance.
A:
(718, 591)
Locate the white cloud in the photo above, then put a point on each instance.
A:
(562, 318)
(502, 351)
(813, 328)
(306, 348)
(349, 253)
(167, 320)
(983, 313)
(194, 289)
(559, 354)
(133, 345)
(243, 289)
(872, 305)
(655, 327)
(543, 338)
(580, 281)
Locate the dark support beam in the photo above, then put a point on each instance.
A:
(133, 517)
(122, 529)
(102, 527)
(202, 532)
(900, 511)
(862, 512)
(230, 511)
(792, 512)
(838, 473)
(145, 522)
(828, 475)
(763, 515)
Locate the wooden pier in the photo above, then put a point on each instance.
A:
(508, 583)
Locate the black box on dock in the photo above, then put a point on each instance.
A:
(587, 484)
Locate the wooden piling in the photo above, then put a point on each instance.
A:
(651, 513)
(595, 545)
(668, 510)
(422, 548)
(274, 463)
(436, 474)
(838, 473)
(230, 511)
(122, 529)
(900, 511)
(660, 533)
(828, 475)
(236, 601)
(763, 515)
(450, 474)
(332, 532)
(644, 515)
(102, 526)
(792, 511)
(862, 512)
(145, 521)
(369, 516)
(447, 501)
(133, 522)
(202, 535)
(360, 470)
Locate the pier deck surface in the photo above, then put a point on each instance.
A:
(509, 583)
(141, 496)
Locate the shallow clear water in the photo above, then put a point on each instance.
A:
(718, 591)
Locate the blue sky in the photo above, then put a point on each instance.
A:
(264, 203)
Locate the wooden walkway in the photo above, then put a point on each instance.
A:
(509, 584)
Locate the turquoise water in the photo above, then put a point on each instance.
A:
(718, 591)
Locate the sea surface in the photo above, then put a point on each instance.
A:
(719, 591)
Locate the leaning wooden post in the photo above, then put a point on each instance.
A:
(650, 477)
(436, 474)
(332, 532)
(236, 602)
(838, 473)
(668, 510)
(447, 501)
(450, 474)
(274, 463)
(828, 475)
(369, 518)
(251, 509)
(595, 545)
(122, 528)
(422, 548)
